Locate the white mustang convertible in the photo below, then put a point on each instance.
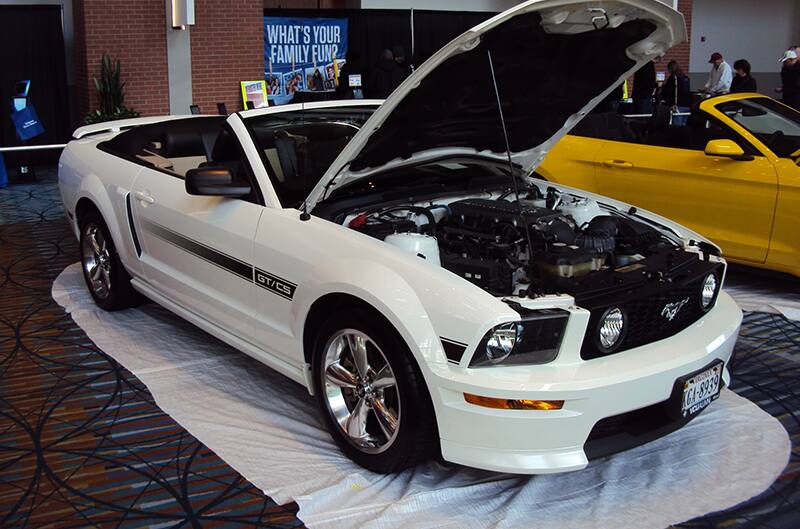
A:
(398, 260)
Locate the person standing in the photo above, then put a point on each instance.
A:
(380, 83)
(720, 77)
(742, 80)
(644, 86)
(790, 79)
(352, 66)
(676, 92)
(402, 69)
(677, 88)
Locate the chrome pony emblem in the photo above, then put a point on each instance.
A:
(671, 310)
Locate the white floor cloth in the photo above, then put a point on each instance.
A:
(265, 426)
(763, 291)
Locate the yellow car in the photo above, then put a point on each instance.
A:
(731, 172)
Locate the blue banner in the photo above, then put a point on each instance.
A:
(302, 54)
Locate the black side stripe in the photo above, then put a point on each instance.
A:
(266, 280)
(226, 262)
(133, 228)
(453, 350)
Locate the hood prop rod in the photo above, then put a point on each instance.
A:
(514, 185)
(304, 215)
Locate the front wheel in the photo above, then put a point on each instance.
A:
(105, 275)
(371, 393)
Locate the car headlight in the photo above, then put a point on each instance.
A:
(611, 329)
(501, 342)
(535, 339)
(709, 291)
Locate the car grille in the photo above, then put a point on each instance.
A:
(645, 317)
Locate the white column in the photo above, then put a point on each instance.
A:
(179, 66)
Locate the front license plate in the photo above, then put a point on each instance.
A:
(700, 389)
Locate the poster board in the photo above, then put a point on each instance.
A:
(303, 54)
(255, 92)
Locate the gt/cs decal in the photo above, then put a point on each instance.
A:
(275, 284)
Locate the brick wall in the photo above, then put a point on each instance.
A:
(134, 33)
(227, 47)
(680, 52)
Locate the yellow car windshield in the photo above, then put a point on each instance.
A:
(776, 125)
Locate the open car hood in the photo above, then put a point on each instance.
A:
(554, 60)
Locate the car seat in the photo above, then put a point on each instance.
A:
(183, 146)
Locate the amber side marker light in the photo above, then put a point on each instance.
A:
(513, 404)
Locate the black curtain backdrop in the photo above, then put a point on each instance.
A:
(373, 30)
(434, 29)
(32, 47)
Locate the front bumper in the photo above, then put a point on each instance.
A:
(535, 442)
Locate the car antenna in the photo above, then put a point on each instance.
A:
(304, 216)
(508, 153)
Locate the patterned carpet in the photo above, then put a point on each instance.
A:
(83, 444)
(766, 370)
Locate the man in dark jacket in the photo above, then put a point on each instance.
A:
(351, 66)
(381, 82)
(742, 80)
(402, 69)
(790, 79)
(644, 85)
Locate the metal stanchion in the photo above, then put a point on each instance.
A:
(26, 149)
(671, 115)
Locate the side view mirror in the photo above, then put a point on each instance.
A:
(214, 182)
(726, 149)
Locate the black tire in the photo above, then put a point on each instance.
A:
(119, 294)
(417, 437)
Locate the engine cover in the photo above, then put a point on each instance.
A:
(501, 210)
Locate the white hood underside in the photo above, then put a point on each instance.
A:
(408, 126)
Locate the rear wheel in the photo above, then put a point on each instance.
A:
(371, 393)
(106, 278)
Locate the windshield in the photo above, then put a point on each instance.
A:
(776, 125)
(297, 147)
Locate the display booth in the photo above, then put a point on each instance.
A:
(365, 34)
(33, 72)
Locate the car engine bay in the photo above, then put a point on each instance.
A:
(547, 242)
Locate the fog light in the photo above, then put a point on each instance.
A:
(513, 404)
(611, 326)
(501, 342)
(709, 290)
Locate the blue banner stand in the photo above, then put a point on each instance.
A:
(3, 173)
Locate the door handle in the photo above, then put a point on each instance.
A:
(618, 164)
(144, 197)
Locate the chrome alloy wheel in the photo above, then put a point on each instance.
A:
(361, 391)
(96, 260)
